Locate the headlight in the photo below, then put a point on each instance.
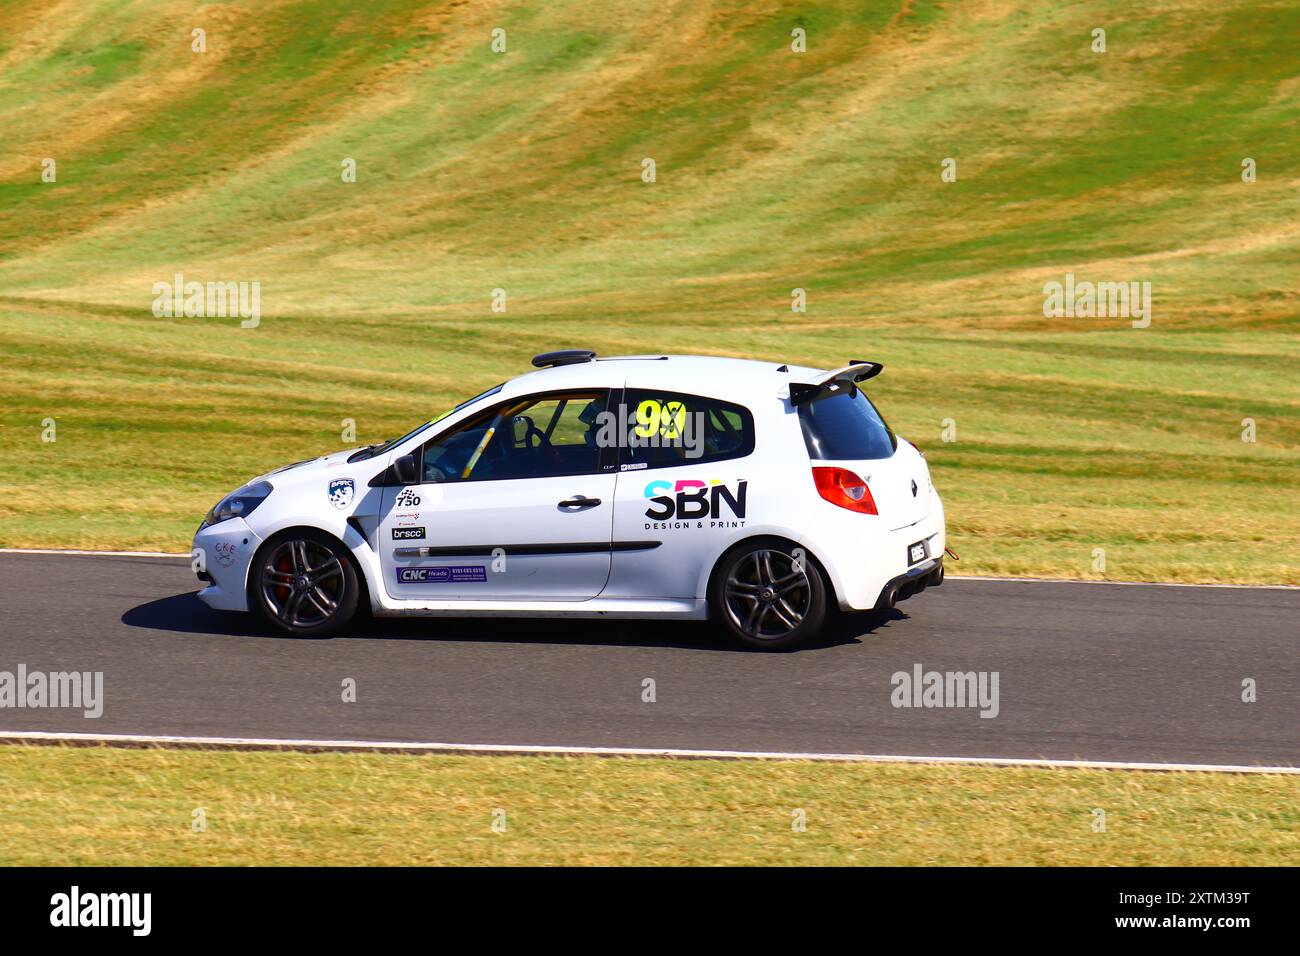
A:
(239, 503)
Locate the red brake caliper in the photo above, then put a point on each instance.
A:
(282, 590)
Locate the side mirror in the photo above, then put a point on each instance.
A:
(405, 471)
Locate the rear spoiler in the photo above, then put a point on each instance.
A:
(848, 376)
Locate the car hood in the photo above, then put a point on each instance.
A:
(334, 461)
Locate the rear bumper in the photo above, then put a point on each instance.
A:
(864, 561)
(927, 574)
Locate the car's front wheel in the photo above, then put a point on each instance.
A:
(304, 584)
(769, 595)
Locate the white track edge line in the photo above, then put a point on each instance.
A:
(1149, 584)
(274, 743)
(102, 554)
(951, 577)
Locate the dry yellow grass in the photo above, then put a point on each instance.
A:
(136, 807)
(776, 170)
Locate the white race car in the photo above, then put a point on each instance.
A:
(760, 496)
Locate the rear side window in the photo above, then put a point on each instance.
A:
(668, 429)
(845, 427)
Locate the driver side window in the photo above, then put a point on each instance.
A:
(537, 437)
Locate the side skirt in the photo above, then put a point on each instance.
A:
(682, 609)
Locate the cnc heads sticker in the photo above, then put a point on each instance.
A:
(676, 504)
(342, 491)
(455, 574)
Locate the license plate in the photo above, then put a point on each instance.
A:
(916, 552)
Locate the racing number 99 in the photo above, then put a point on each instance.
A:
(668, 419)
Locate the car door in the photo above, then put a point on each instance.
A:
(683, 487)
(516, 504)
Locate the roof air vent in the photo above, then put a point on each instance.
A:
(564, 357)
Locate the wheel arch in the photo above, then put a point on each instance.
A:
(363, 581)
(750, 540)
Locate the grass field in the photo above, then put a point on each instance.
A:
(116, 807)
(775, 170)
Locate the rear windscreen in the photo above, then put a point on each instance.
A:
(845, 427)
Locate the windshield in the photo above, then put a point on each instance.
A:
(382, 447)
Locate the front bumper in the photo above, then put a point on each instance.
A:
(221, 554)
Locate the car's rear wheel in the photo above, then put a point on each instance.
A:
(304, 584)
(768, 594)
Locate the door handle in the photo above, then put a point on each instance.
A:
(579, 501)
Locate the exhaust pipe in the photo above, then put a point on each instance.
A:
(901, 590)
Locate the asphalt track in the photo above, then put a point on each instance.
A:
(1097, 672)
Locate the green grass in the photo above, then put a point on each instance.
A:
(115, 807)
(775, 171)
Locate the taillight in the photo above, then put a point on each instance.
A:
(842, 487)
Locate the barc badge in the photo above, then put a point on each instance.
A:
(342, 491)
